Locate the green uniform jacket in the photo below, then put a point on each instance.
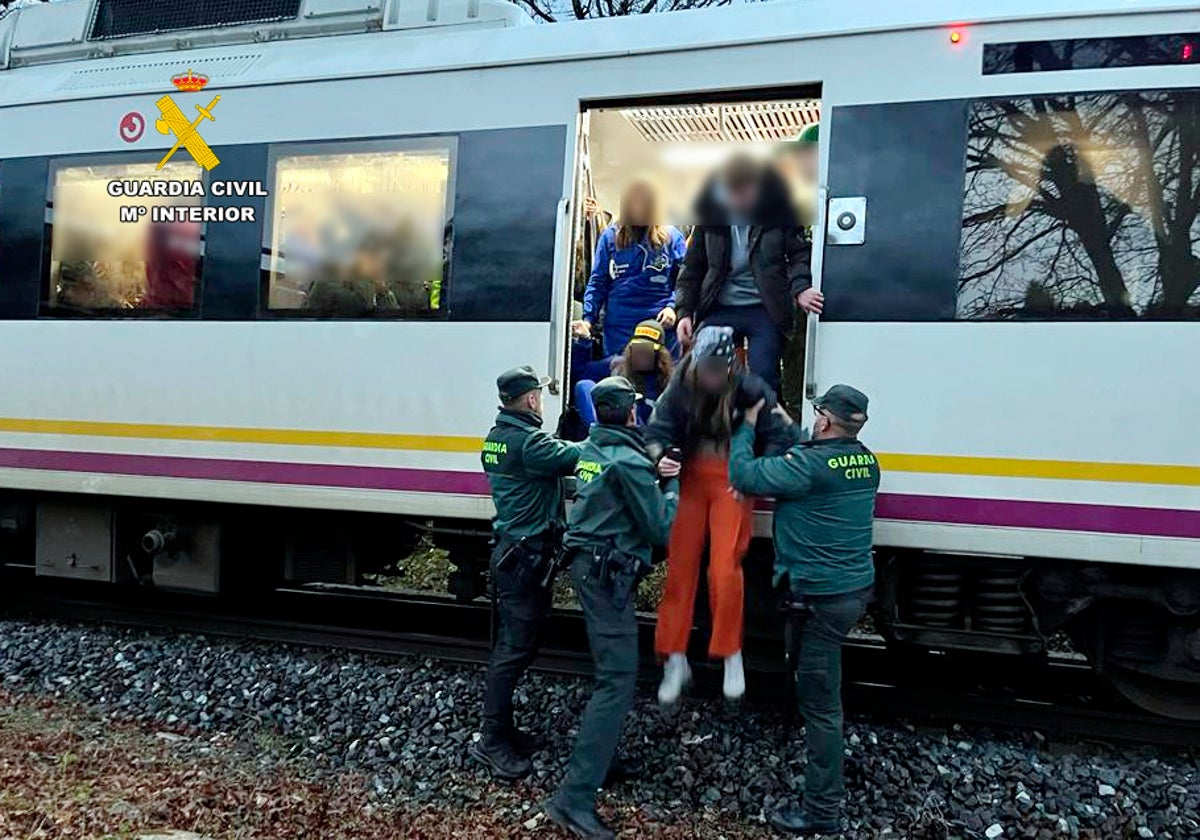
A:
(824, 508)
(525, 467)
(617, 498)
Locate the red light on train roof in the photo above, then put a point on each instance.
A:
(1187, 52)
(955, 36)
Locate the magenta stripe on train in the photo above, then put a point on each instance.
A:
(1113, 519)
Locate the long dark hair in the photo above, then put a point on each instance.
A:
(664, 366)
(710, 416)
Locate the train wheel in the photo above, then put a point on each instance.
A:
(1149, 655)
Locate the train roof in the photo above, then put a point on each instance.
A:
(49, 54)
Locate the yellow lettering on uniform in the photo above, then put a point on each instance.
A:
(587, 470)
(832, 463)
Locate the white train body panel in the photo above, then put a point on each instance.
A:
(1031, 439)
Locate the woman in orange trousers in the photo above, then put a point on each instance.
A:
(693, 421)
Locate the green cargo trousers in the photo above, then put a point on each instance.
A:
(826, 622)
(612, 636)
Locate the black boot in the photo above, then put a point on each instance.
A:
(581, 822)
(500, 758)
(525, 743)
(794, 821)
(623, 769)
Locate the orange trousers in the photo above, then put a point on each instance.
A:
(708, 513)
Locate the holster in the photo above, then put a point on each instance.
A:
(525, 559)
(618, 573)
(794, 611)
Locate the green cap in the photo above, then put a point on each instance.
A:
(513, 383)
(844, 403)
(649, 332)
(811, 135)
(615, 392)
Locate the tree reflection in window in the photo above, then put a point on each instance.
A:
(361, 234)
(1082, 206)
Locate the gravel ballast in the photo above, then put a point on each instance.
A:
(402, 726)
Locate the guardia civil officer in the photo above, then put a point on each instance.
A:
(525, 467)
(824, 491)
(620, 514)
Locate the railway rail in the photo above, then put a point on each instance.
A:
(1056, 696)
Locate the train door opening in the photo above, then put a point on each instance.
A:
(674, 148)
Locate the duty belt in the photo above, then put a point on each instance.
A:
(616, 572)
(531, 557)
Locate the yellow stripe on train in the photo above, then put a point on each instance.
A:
(1039, 468)
(1174, 474)
(226, 434)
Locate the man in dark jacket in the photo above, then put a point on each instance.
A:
(525, 467)
(620, 514)
(747, 264)
(824, 493)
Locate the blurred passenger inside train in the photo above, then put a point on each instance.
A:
(694, 421)
(747, 263)
(389, 271)
(798, 165)
(634, 269)
(646, 362)
(172, 256)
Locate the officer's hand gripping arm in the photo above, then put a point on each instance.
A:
(546, 455)
(781, 476)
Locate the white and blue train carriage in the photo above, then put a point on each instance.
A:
(1009, 251)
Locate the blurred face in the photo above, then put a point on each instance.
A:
(799, 170)
(642, 357)
(638, 206)
(806, 164)
(712, 376)
(742, 196)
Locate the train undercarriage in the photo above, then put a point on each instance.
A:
(1139, 627)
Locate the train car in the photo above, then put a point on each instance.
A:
(378, 205)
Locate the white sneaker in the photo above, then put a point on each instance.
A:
(676, 674)
(735, 678)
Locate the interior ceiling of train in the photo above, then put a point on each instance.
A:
(678, 146)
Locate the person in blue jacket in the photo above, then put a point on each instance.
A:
(646, 362)
(633, 273)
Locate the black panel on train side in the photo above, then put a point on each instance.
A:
(907, 159)
(22, 230)
(229, 285)
(508, 186)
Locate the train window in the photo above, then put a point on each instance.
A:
(1082, 206)
(1091, 53)
(361, 231)
(103, 264)
(122, 18)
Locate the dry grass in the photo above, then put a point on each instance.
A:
(66, 772)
